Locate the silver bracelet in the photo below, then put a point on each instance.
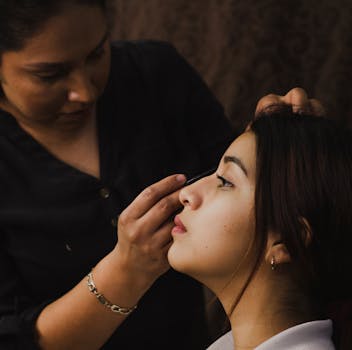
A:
(114, 308)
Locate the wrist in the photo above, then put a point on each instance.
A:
(114, 276)
(124, 311)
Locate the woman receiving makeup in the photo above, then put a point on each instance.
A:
(270, 232)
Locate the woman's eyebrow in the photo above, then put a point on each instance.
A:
(236, 161)
(45, 66)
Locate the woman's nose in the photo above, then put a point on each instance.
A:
(191, 196)
(82, 89)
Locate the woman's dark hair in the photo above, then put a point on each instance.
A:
(304, 192)
(21, 19)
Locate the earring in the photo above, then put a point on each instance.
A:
(272, 263)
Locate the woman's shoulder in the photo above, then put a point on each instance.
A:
(315, 335)
(223, 343)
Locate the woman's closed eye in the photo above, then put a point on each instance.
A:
(224, 182)
(51, 76)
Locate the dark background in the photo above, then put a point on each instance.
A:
(245, 49)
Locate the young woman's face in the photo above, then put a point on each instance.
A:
(62, 70)
(216, 227)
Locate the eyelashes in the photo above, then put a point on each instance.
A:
(224, 182)
(51, 77)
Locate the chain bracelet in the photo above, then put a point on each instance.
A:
(114, 308)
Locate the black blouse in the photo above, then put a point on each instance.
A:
(156, 117)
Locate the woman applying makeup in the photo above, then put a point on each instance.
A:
(86, 125)
(270, 232)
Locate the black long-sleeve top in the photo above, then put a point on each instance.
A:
(156, 117)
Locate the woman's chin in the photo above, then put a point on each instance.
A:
(178, 261)
(173, 259)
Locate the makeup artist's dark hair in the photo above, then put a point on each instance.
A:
(21, 19)
(304, 189)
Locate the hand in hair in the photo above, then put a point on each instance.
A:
(297, 98)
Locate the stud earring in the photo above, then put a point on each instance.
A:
(272, 263)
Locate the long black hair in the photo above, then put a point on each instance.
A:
(304, 188)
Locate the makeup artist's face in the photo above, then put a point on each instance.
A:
(216, 227)
(61, 71)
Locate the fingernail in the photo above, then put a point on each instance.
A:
(181, 178)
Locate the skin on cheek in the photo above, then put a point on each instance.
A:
(32, 101)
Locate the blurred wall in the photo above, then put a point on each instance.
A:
(245, 49)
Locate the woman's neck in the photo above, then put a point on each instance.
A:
(75, 144)
(261, 313)
(60, 134)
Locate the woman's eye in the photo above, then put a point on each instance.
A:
(52, 77)
(224, 182)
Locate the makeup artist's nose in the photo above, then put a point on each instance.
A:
(82, 88)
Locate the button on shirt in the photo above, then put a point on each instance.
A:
(156, 117)
(105, 193)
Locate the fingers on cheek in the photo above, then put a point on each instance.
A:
(163, 188)
(162, 211)
(150, 242)
(156, 247)
(166, 206)
(150, 194)
(163, 236)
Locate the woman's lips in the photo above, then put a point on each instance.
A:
(79, 112)
(179, 227)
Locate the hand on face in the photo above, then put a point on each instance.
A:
(144, 229)
(297, 98)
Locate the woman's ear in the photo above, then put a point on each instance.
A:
(307, 234)
(276, 252)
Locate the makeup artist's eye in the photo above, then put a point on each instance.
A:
(50, 77)
(224, 182)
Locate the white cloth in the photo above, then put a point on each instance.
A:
(315, 335)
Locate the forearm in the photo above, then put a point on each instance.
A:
(78, 320)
